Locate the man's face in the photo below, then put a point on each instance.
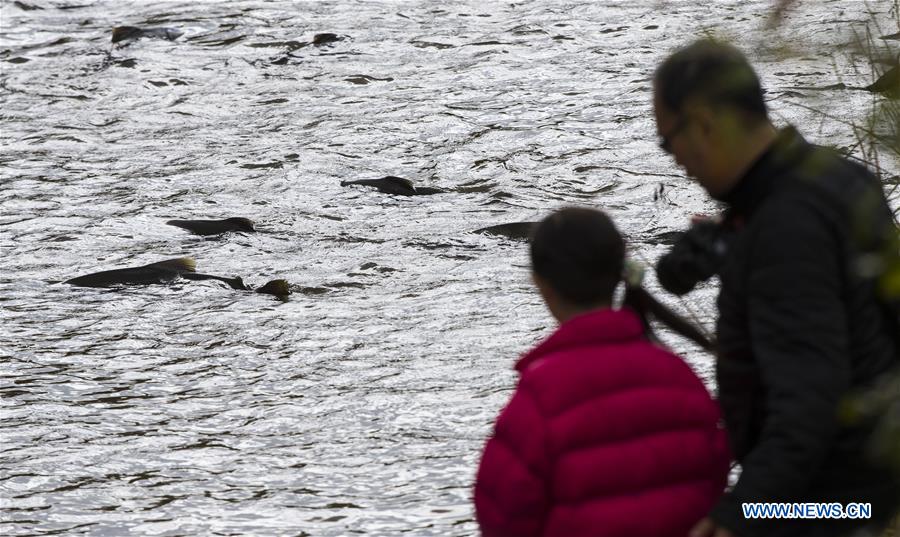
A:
(687, 137)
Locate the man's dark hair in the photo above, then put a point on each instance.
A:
(712, 73)
(580, 254)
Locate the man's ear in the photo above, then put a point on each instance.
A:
(706, 120)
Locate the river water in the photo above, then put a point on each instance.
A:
(360, 405)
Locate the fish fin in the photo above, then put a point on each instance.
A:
(121, 33)
(245, 223)
(275, 287)
(400, 181)
(182, 264)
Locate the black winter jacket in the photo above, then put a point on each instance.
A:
(798, 330)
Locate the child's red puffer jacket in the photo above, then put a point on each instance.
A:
(606, 434)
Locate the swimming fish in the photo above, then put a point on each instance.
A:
(395, 185)
(131, 33)
(513, 230)
(214, 227)
(168, 271)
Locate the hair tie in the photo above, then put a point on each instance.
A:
(633, 273)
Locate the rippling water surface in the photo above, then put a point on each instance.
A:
(360, 405)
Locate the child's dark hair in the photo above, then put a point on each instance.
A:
(581, 254)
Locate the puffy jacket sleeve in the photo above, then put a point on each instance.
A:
(511, 488)
(799, 331)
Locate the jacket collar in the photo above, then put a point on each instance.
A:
(595, 327)
(762, 178)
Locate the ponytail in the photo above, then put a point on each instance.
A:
(644, 304)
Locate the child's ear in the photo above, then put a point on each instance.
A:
(540, 283)
(551, 299)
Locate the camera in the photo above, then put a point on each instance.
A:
(695, 257)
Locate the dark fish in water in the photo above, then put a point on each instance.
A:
(168, 271)
(321, 39)
(214, 227)
(160, 272)
(28, 7)
(318, 40)
(395, 185)
(514, 230)
(278, 288)
(130, 33)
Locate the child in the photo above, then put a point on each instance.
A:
(607, 434)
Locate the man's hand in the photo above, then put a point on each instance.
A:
(695, 257)
(708, 528)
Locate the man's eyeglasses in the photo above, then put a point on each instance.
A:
(665, 140)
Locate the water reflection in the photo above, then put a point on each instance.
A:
(361, 405)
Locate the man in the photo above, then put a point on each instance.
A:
(800, 324)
